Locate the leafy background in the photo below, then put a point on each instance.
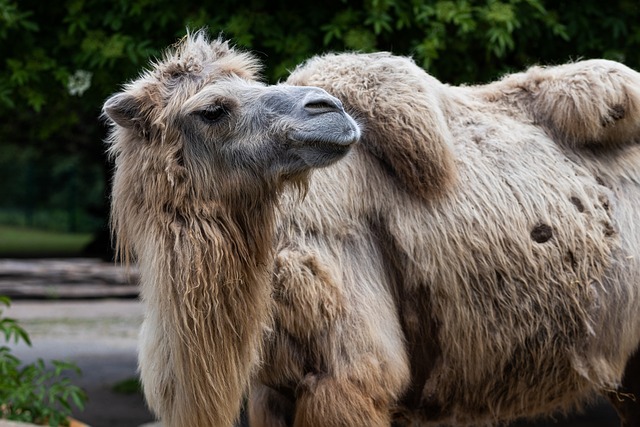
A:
(60, 60)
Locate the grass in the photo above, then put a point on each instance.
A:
(128, 386)
(27, 242)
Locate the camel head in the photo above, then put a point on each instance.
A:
(201, 125)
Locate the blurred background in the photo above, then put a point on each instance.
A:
(60, 60)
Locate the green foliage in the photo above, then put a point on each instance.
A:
(9, 327)
(461, 40)
(34, 393)
(21, 241)
(128, 386)
(62, 59)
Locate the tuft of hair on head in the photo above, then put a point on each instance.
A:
(195, 57)
(197, 54)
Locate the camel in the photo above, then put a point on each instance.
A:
(202, 150)
(472, 260)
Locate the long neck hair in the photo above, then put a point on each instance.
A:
(205, 281)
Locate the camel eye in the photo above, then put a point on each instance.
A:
(213, 113)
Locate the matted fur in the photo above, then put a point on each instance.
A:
(182, 241)
(201, 151)
(474, 260)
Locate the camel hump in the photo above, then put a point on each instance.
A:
(585, 103)
(398, 105)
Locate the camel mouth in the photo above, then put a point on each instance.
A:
(320, 150)
(317, 154)
(324, 140)
(325, 145)
(340, 131)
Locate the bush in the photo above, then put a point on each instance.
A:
(34, 393)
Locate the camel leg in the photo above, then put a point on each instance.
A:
(269, 408)
(324, 401)
(626, 399)
(338, 335)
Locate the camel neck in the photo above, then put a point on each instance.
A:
(207, 287)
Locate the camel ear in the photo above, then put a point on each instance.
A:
(123, 109)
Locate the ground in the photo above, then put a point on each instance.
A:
(100, 336)
(87, 312)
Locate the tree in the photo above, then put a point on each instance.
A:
(62, 59)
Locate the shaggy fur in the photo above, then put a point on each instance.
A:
(475, 259)
(201, 152)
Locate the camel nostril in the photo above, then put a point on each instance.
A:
(319, 104)
(323, 105)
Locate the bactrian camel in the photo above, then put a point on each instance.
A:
(474, 259)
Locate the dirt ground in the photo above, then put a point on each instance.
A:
(100, 335)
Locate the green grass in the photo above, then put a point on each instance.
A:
(21, 242)
(128, 386)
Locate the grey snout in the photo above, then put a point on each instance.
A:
(314, 121)
(320, 102)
